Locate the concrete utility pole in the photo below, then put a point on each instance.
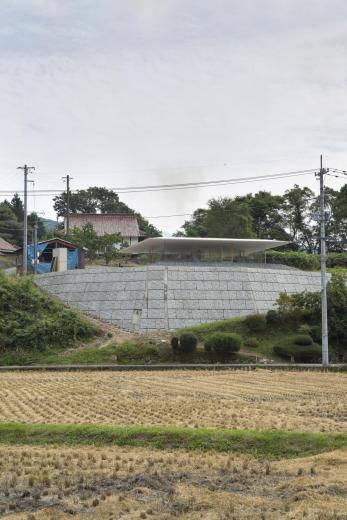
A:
(325, 341)
(35, 247)
(68, 179)
(27, 170)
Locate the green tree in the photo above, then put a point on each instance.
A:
(333, 227)
(228, 218)
(340, 220)
(10, 229)
(17, 206)
(99, 200)
(267, 215)
(196, 226)
(33, 219)
(298, 217)
(108, 246)
(105, 245)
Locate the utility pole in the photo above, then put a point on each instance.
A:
(27, 170)
(68, 179)
(35, 247)
(324, 301)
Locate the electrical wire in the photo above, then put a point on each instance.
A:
(179, 186)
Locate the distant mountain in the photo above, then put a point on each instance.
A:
(49, 224)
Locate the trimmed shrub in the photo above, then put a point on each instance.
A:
(302, 340)
(175, 343)
(256, 322)
(252, 342)
(287, 348)
(188, 342)
(299, 353)
(223, 342)
(316, 333)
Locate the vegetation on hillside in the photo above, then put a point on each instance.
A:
(33, 321)
(296, 313)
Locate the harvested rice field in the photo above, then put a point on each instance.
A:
(51, 471)
(292, 401)
(92, 483)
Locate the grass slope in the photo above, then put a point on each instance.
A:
(32, 321)
(261, 444)
(267, 338)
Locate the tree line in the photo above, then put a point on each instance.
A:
(92, 200)
(293, 216)
(11, 221)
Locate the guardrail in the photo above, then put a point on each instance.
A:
(185, 366)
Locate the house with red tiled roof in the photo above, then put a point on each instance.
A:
(6, 247)
(108, 223)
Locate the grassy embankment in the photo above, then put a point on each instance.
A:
(33, 323)
(261, 444)
(141, 352)
(37, 329)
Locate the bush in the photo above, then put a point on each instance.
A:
(256, 322)
(175, 343)
(305, 329)
(273, 318)
(337, 260)
(302, 340)
(223, 342)
(305, 261)
(299, 353)
(316, 333)
(130, 352)
(54, 324)
(306, 307)
(188, 342)
(252, 342)
(288, 348)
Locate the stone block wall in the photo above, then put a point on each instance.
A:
(156, 297)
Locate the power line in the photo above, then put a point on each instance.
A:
(179, 186)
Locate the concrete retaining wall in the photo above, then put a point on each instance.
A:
(168, 297)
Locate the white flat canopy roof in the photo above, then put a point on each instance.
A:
(233, 246)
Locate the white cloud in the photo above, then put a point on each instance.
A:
(119, 93)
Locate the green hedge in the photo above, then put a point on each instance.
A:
(223, 342)
(303, 340)
(305, 261)
(292, 346)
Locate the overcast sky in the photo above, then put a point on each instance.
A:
(133, 92)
